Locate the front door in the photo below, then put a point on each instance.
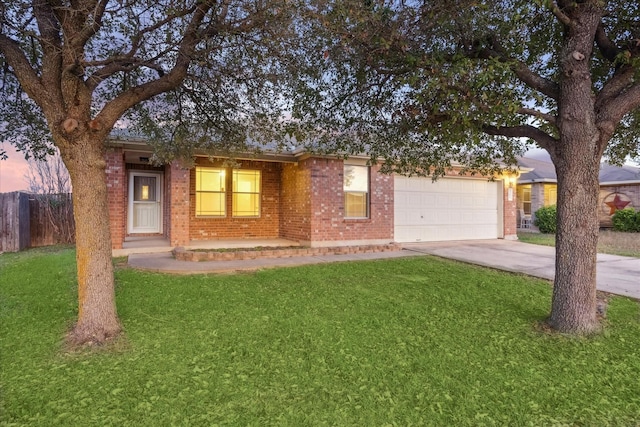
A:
(145, 207)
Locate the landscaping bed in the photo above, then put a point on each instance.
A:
(183, 254)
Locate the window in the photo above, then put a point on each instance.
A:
(550, 195)
(210, 192)
(356, 191)
(246, 193)
(526, 199)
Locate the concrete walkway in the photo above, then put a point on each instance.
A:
(616, 274)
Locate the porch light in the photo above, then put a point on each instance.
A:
(145, 192)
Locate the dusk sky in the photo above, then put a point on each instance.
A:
(12, 170)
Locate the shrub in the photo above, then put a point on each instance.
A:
(626, 220)
(546, 219)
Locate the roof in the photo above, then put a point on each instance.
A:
(545, 171)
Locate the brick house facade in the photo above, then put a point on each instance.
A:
(301, 198)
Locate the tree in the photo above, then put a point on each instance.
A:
(186, 71)
(428, 84)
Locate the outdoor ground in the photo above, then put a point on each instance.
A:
(609, 241)
(412, 341)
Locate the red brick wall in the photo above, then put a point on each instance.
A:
(178, 201)
(266, 226)
(319, 183)
(295, 218)
(116, 193)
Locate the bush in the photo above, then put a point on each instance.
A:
(626, 220)
(546, 219)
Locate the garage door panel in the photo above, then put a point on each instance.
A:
(449, 209)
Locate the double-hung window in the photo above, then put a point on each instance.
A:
(356, 191)
(246, 193)
(210, 192)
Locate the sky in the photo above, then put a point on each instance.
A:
(12, 170)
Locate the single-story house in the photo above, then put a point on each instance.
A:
(314, 200)
(619, 188)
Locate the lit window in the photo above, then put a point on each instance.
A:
(210, 193)
(246, 193)
(526, 199)
(356, 191)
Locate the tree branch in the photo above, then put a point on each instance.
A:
(521, 70)
(89, 31)
(542, 138)
(23, 70)
(562, 17)
(607, 48)
(115, 108)
(538, 114)
(622, 79)
(51, 43)
(122, 62)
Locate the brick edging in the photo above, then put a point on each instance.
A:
(182, 254)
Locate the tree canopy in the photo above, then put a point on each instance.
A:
(427, 85)
(430, 83)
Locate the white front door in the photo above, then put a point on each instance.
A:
(145, 207)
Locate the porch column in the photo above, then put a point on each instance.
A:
(178, 199)
(509, 213)
(116, 194)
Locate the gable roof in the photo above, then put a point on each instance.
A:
(545, 171)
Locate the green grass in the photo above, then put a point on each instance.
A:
(609, 242)
(415, 341)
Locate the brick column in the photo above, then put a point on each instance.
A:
(178, 198)
(509, 213)
(116, 194)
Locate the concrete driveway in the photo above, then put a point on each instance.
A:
(616, 274)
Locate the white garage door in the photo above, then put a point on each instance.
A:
(448, 209)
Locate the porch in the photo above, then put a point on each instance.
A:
(149, 245)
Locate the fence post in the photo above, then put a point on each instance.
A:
(15, 232)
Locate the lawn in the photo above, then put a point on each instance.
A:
(609, 242)
(413, 341)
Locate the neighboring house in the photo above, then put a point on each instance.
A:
(619, 188)
(316, 201)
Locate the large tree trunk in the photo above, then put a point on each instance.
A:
(577, 162)
(97, 316)
(573, 307)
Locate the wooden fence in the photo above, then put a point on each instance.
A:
(32, 220)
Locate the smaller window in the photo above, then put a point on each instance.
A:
(526, 199)
(246, 193)
(356, 191)
(210, 192)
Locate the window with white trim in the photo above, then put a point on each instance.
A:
(246, 193)
(211, 197)
(356, 191)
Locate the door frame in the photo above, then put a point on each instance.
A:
(160, 202)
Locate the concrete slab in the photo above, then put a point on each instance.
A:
(615, 274)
